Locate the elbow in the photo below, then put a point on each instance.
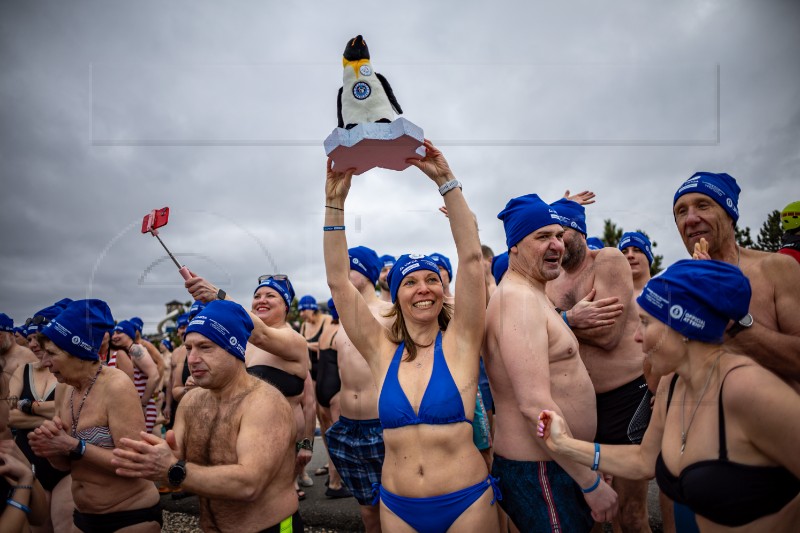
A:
(249, 491)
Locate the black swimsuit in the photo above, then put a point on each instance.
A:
(727, 493)
(47, 475)
(289, 384)
(328, 381)
(312, 354)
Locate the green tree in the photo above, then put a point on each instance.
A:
(743, 237)
(611, 234)
(770, 234)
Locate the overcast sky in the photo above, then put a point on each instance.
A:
(218, 110)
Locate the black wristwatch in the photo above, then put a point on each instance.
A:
(177, 473)
(744, 323)
(221, 294)
(305, 444)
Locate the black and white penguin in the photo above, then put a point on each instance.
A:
(365, 95)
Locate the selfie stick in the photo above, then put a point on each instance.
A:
(181, 268)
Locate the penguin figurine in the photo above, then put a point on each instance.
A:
(365, 95)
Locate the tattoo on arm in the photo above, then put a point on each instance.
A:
(137, 351)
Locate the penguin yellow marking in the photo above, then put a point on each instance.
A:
(355, 65)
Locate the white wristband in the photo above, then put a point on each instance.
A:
(449, 186)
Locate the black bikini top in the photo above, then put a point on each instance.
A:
(288, 384)
(727, 493)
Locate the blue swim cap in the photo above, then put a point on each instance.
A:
(365, 260)
(524, 215)
(6, 323)
(595, 243)
(307, 302)
(127, 327)
(226, 324)
(332, 309)
(168, 344)
(698, 298)
(406, 264)
(637, 240)
(573, 214)
(281, 286)
(443, 262)
(182, 320)
(80, 327)
(388, 260)
(196, 307)
(499, 266)
(721, 188)
(137, 322)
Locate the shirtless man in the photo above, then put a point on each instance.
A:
(233, 440)
(12, 354)
(388, 262)
(705, 211)
(532, 360)
(612, 357)
(145, 371)
(355, 441)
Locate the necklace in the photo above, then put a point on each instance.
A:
(80, 407)
(685, 432)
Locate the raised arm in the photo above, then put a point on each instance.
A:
(470, 314)
(364, 330)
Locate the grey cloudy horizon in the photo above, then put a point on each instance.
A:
(112, 109)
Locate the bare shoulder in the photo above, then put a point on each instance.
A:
(609, 258)
(779, 268)
(748, 386)
(117, 379)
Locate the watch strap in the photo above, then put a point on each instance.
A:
(177, 473)
(449, 186)
(221, 294)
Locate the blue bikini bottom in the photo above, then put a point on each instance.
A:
(435, 514)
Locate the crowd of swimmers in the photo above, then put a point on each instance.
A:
(563, 380)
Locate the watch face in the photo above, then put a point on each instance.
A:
(177, 473)
(747, 321)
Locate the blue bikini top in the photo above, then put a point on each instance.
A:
(441, 403)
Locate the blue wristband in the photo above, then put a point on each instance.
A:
(24, 508)
(564, 316)
(333, 228)
(593, 487)
(596, 464)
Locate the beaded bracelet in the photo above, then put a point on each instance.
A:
(593, 487)
(596, 463)
(15, 487)
(24, 508)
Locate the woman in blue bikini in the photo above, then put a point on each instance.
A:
(426, 368)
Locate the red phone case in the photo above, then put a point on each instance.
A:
(160, 217)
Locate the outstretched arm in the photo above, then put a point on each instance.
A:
(469, 317)
(364, 330)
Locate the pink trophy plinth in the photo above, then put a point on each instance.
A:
(375, 144)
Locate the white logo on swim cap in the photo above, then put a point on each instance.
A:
(676, 311)
(233, 341)
(415, 256)
(573, 224)
(76, 340)
(729, 202)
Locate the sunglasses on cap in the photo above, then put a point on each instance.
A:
(276, 277)
(37, 321)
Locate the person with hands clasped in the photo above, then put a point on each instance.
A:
(233, 439)
(99, 407)
(425, 365)
(720, 440)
